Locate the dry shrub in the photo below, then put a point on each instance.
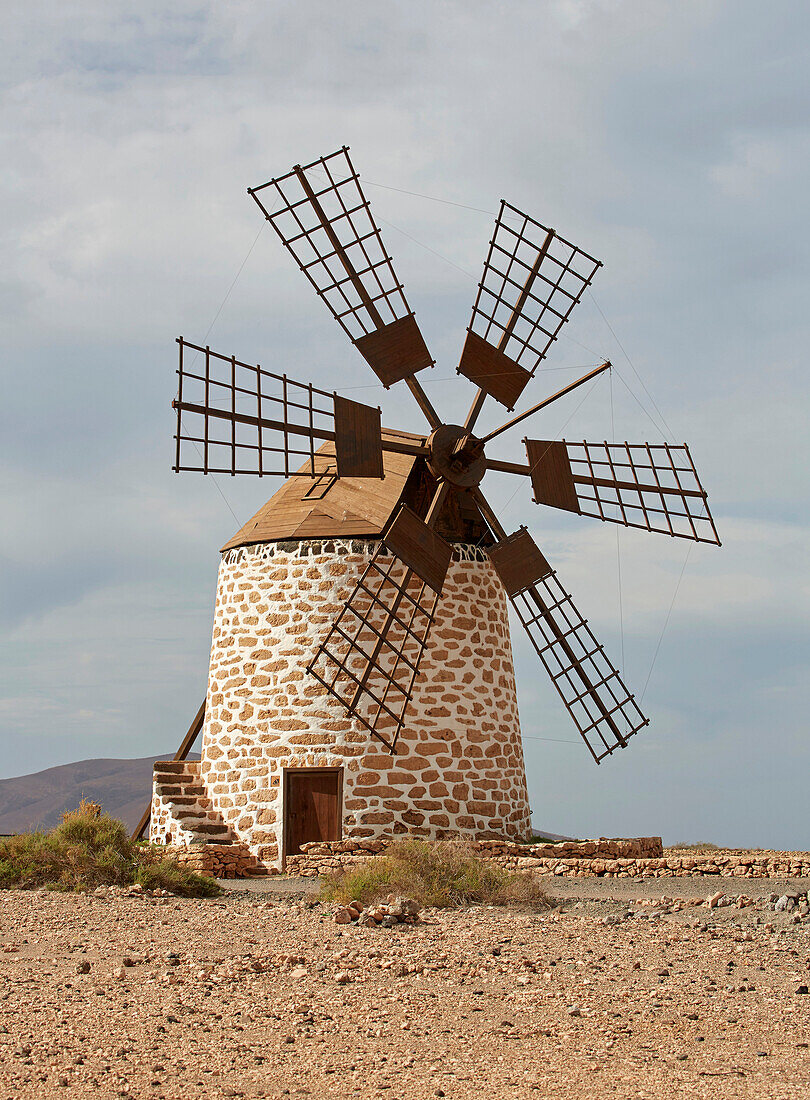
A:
(443, 874)
(89, 849)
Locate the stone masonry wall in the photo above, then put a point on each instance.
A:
(323, 858)
(219, 860)
(604, 858)
(459, 767)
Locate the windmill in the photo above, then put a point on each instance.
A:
(239, 418)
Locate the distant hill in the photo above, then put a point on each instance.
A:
(37, 801)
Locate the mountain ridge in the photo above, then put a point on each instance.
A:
(38, 800)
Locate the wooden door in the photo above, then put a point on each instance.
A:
(312, 807)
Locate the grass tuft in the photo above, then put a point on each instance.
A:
(88, 849)
(442, 874)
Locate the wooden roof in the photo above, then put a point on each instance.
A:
(329, 506)
(347, 507)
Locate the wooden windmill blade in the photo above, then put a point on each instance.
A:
(324, 220)
(655, 488)
(532, 280)
(370, 658)
(603, 710)
(239, 418)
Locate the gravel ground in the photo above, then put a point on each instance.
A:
(261, 994)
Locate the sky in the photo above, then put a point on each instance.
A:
(669, 139)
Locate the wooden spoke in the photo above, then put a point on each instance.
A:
(532, 280)
(325, 221)
(602, 709)
(238, 418)
(370, 658)
(548, 401)
(655, 488)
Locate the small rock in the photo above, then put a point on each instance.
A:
(343, 916)
(83, 967)
(781, 904)
(342, 977)
(715, 899)
(298, 972)
(802, 989)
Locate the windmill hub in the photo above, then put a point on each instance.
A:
(463, 466)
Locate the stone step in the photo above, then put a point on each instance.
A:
(173, 790)
(190, 800)
(174, 766)
(194, 812)
(212, 828)
(176, 777)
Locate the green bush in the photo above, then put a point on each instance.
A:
(89, 849)
(435, 873)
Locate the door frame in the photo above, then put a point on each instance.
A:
(285, 792)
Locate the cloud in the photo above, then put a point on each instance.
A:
(669, 140)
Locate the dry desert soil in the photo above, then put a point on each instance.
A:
(261, 994)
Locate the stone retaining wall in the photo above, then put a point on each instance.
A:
(604, 858)
(219, 860)
(322, 858)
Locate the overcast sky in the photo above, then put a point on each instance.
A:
(669, 139)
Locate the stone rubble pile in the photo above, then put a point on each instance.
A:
(133, 891)
(388, 914)
(798, 904)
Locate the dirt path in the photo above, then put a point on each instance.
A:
(261, 995)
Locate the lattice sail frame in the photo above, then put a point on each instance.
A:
(654, 487)
(532, 280)
(605, 685)
(325, 222)
(234, 440)
(370, 658)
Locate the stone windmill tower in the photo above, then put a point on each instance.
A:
(361, 679)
